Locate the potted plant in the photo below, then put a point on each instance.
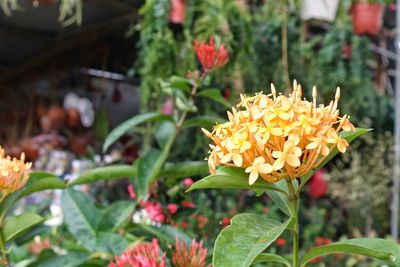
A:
(367, 17)
(324, 10)
(177, 11)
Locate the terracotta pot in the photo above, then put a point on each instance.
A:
(73, 117)
(367, 18)
(57, 117)
(177, 11)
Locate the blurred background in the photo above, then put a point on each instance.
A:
(72, 70)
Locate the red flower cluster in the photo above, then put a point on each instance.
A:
(193, 256)
(210, 56)
(154, 211)
(320, 241)
(142, 255)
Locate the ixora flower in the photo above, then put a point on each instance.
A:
(210, 56)
(14, 173)
(193, 256)
(277, 136)
(142, 255)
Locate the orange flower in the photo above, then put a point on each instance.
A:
(277, 136)
(210, 56)
(14, 173)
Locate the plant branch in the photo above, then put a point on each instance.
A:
(293, 199)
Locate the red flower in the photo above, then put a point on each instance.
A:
(142, 255)
(226, 221)
(193, 256)
(188, 182)
(188, 204)
(154, 211)
(210, 56)
(281, 242)
(320, 241)
(172, 208)
(318, 187)
(202, 221)
(131, 192)
(184, 224)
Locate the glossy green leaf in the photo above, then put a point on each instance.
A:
(71, 259)
(115, 215)
(166, 233)
(349, 136)
(107, 242)
(80, 216)
(180, 83)
(147, 169)
(281, 200)
(381, 249)
(184, 169)
(130, 124)
(247, 236)
(267, 257)
(215, 95)
(105, 173)
(15, 226)
(232, 178)
(163, 132)
(202, 122)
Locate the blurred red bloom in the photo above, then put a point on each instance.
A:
(184, 224)
(154, 211)
(131, 192)
(210, 56)
(142, 255)
(202, 221)
(187, 182)
(226, 221)
(188, 204)
(318, 186)
(193, 256)
(172, 208)
(281, 242)
(320, 241)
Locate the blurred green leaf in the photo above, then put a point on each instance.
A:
(381, 249)
(104, 174)
(215, 95)
(247, 236)
(267, 257)
(128, 125)
(184, 169)
(71, 259)
(163, 131)
(115, 215)
(202, 122)
(112, 243)
(147, 170)
(15, 226)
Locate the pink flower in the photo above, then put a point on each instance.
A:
(210, 56)
(167, 107)
(187, 182)
(154, 211)
(318, 186)
(193, 256)
(188, 204)
(172, 208)
(142, 255)
(131, 192)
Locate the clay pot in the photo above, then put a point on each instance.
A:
(30, 149)
(177, 11)
(367, 18)
(57, 117)
(73, 117)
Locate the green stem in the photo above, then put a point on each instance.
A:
(4, 253)
(294, 204)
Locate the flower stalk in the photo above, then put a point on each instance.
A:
(294, 206)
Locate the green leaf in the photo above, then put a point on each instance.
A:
(105, 173)
(247, 236)
(38, 181)
(146, 170)
(215, 95)
(72, 259)
(128, 125)
(15, 226)
(184, 169)
(180, 83)
(202, 121)
(267, 257)
(107, 242)
(377, 248)
(163, 131)
(80, 216)
(281, 200)
(166, 233)
(115, 215)
(232, 178)
(349, 136)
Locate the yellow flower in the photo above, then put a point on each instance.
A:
(277, 136)
(13, 173)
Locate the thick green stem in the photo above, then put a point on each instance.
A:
(294, 205)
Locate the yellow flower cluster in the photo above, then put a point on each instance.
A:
(275, 136)
(13, 173)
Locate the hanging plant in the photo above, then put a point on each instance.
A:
(367, 17)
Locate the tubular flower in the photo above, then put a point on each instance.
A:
(210, 56)
(142, 255)
(14, 173)
(193, 256)
(277, 136)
